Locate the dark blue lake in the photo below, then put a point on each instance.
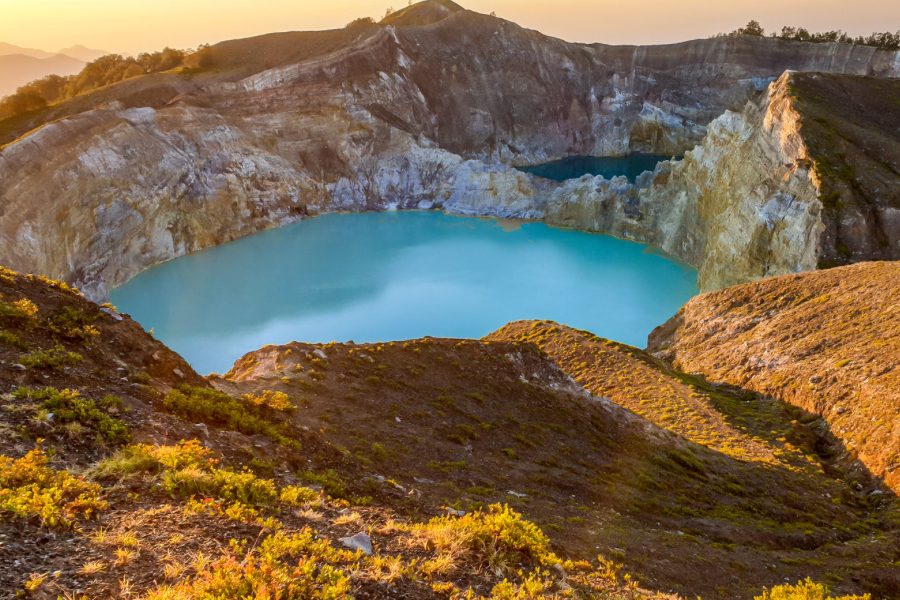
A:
(574, 167)
(388, 276)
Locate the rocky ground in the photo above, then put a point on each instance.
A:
(608, 449)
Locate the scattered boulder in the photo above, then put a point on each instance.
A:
(360, 541)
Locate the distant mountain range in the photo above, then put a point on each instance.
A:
(20, 65)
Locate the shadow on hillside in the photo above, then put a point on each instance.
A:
(465, 423)
(806, 430)
(852, 487)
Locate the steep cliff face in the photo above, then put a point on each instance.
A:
(741, 205)
(430, 111)
(827, 342)
(851, 127)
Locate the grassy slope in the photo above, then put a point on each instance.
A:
(468, 423)
(746, 434)
(151, 532)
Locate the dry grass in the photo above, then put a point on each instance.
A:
(847, 316)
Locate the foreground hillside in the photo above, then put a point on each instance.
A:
(826, 342)
(101, 496)
(499, 468)
(434, 108)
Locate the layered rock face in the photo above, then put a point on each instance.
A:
(430, 109)
(788, 184)
(741, 205)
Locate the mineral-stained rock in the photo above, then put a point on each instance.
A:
(762, 194)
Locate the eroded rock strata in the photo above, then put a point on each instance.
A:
(430, 110)
(807, 176)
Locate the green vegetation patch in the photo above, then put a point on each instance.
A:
(68, 406)
(499, 540)
(73, 323)
(298, 565)
(250, 415)
(29, 489)
(52, 359)
(189, 471)
(23, 309)
(804, 590)
(11, 339)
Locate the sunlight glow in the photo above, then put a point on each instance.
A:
(142, 25)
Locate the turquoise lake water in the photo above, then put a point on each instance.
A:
(390, 276)
(573, 167)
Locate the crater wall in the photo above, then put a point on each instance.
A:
(433, 114)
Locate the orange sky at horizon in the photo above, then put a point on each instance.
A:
(140, 25)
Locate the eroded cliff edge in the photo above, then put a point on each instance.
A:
(423, 113)
(826, 342)
(806, 177)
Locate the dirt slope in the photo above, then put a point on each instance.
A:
(827, 342)
(702, 478)
(98, 499)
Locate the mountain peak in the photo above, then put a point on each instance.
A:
(83, 52)
(6, 49)
(423, 13)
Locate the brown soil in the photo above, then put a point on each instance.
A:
(827, 342)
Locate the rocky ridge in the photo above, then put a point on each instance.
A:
(827, 342)
(419, 113)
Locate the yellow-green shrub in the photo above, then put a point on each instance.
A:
(23, 309)
(278, 401)
(536, 584)
(73, 323)
(68, 406)
(30, 489)
(499, 539)
(53, 359)
(283, 567)
(243, 486)
(140, 459)
(188, 469)
(11, 339)
(804, 590)
(214, 407)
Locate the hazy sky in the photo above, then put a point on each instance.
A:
(136, 25)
